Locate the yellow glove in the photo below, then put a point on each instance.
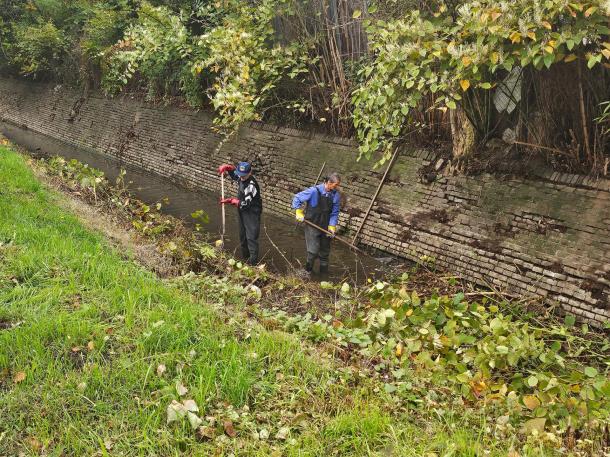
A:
(332, 229)
(300, 215)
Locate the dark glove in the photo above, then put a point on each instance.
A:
(225, 167)
(230, 201)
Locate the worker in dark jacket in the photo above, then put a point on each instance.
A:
(322, 209)
(249, 207)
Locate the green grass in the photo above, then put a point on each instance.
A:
(67, 289)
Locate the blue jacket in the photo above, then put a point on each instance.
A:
(310, 196)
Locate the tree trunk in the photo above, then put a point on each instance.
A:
(463, 134)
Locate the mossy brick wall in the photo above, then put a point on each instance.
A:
(546, 237)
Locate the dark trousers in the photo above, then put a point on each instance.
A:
(249, 230)
(318, 246)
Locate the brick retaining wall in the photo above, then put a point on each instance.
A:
(545, 237)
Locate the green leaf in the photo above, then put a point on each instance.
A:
(502, 349)
(357, 14)
(590, 372)
(451, 104)
(569, 320)
(532, 381)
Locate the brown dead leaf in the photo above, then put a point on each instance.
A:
(33, 443)
(206, 433)
(90, 346)
(19, 377)
(76, 349)
(229, 429)
(531, 402)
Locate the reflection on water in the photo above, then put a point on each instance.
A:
(277, 234)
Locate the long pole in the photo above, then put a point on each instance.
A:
(222, 194)
(320, 174)
(333, 235)
(375, 197)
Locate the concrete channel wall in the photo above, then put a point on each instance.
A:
(548, 236)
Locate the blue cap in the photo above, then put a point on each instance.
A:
(243, 168)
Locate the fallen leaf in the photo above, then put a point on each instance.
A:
(19, 377)
(191, 406)
(531, 402)
(194, 420)
(160, 370)
(90, 346)
(108, 444)
(533, 425)
(158, 324)
(229, 429)
(399, 348)
(175, 411)
(182, 391)
(282, 433)
(34, 443)
(263, 434)
(206, 433)
(76, 349)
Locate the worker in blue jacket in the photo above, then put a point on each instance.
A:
(322, 204)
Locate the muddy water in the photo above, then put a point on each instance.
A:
(282, 244)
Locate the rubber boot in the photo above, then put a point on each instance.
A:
(311, 258)
(323, 268)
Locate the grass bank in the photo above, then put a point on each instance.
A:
(99, 356)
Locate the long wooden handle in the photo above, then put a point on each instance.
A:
(222, 206)
(333, 235)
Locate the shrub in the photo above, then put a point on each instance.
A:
(40, 49)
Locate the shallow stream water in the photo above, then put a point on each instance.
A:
(282, 244)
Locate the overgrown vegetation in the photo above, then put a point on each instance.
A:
(459, 73)
(442, 364)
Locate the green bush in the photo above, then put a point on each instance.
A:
(40, 49)
(158, 49)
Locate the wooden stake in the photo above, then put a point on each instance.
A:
(375, 196)
(320, 174)
(583, 114)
